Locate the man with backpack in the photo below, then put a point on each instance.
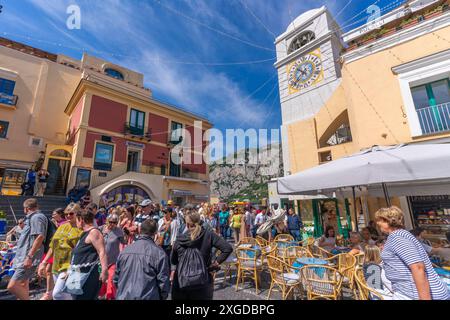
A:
(30, 249)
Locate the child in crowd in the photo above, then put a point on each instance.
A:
(374, 272)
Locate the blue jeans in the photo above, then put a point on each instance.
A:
(296, 234)
(224, 231)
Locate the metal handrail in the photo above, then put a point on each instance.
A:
(434, 119)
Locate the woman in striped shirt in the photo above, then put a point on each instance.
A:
(405, 261)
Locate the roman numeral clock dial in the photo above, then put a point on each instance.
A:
(305, 72)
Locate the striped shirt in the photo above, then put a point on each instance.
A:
(401, 250)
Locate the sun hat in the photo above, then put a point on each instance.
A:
(146, 203)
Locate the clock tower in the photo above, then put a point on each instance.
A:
(308, 68)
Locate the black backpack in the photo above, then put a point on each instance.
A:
(51, 229)
(192, 271)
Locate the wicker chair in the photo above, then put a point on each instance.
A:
(292, 253)
(261, 241)
(361, 290)
(319, 252)
(321, 282)
(249, 266)
(346, 266)
(228, 266)
(360, 259)
(284, 237)
(284, 276)
(248, 240)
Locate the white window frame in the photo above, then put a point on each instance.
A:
(416, 73)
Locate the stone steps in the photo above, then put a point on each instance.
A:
(46, 204)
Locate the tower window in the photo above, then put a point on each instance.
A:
(301, 40)
(114, 73)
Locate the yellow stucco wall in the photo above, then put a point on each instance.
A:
(40, 108)
(370, 92)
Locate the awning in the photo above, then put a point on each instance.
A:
(403, 169)
(182, 193)
(11, 164)
(201, 197)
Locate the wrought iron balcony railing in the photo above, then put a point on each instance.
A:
(435, 118)
(137, 132)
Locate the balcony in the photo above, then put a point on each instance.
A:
(434, 119)
(138, 133)
(175, 141)
(8, 100)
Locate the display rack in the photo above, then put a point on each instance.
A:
(432, 213)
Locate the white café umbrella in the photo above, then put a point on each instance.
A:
(405, 169)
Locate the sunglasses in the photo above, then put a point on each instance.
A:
(71, 213)
(113, 222)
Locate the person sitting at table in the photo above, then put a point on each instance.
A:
(373, 230)
(367, 237)
(374, 273)
(355, 244)
(443, 253)
(328, 240)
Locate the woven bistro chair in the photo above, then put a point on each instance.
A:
(248, 240)
(321, 282)
(283, 276)
(261, 241)
(319, 252)
(361, 290)
(228, 266)
(292, 253)
(284, 237)
(249, 266)
(360, 259)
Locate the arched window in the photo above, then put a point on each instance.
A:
(338, 132)
(301, 40)
(114, 73)
(60, 153)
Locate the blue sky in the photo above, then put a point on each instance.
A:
(176, 44)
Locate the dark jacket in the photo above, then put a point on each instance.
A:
(205, 243)
(142, 272)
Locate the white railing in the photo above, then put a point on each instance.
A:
(434, 119)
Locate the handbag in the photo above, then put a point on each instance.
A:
(76, 279)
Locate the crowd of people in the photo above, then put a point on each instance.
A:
(35, 182)
(147, 251)
(132, 252)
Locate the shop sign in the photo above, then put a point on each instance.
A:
(135, 145)
(430, 198)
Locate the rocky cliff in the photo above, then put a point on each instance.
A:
(244, 175)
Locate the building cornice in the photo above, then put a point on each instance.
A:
(304, 50)
(422, 62)
(185, 179)
(86, 86)
(423, 28)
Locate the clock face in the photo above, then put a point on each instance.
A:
(305, 72)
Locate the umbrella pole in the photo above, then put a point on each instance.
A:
(386, 194)
(354, 209)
